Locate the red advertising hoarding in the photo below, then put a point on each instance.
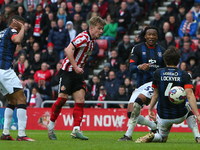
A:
(93, 120)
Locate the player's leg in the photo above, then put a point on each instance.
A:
(55, 111)
(192, 123)
(78, 114)
(21, 114)
(8, 118)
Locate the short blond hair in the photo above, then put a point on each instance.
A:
(96, 20)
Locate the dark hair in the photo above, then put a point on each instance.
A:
(30, 77)
(16, 17)
(147, 28)
(39, 5)
(122, 86)
(172, 56)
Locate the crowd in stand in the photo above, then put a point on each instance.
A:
(51, 25)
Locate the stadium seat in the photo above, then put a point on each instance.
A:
(103, 45)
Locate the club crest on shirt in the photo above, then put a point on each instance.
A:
(159, 54)
(143, 53)
(63, 88)
(13, 30)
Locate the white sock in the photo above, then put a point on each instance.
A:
(157, 138)
(7, 120)
(147, 122)
(131, 125)
(51, 125)
(192, 123)
(22, 120)
(76, 128)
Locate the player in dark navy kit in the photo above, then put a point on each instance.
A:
(169, 113)
(10, 85)
(145, 58)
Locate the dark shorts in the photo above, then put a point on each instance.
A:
(70, 82)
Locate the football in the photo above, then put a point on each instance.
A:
(177, 95)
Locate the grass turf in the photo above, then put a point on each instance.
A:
(98, 140)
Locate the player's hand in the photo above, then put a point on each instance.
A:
(144, 66)
(17, 24)
(152, 115)
(78, 70)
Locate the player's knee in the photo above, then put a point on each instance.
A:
(138, 101)
(128, 114)
(190, 114)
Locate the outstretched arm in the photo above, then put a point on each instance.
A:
(152, 104)
(19, 37)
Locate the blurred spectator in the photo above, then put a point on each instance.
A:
(181, 14)
(176, 5)
(59, 36)
(36, 98)
(45, 3)
(103, 7)
(128, 87)
(198, 31)
(188, 26)
(28, 88)
(92, 58)
(197, 91)
(29, 45)
(197, 53)
(40, 25)
(7, 14)
(64, 5)
(61, 14)
(110, 30)
(36, 64)
(43, 73)
(88, 96)
(142, 4)
(103, 96)
(5, 3)
(185, 38)
(114, 6)
(196, 12)
(103, 74)
(30, 11)
(36, 49)
(95, 9)
(124, 48)
(55, 5)
(123, 18)
(86, 7)
(2, 24)
(173, 25)
(55, 80)
(168, 13)
(32, 3)
(70, 27)
(115, 61)
(27, 35)
(44, 88)
(169, 40)
(77, 10)
(196, 74)
(93, 87)
(21, 12)
(185, 51)
(134, 9)
(120, 96)
(53, 25)
(112, 84)
(163, 31)
(84, 27)
(192, 63)
(123, 73)
(47, 9)
(22, 68)
(158, 21)
(77, 23)
(184, 66)
(50, 56)
(16, 4)
(137, 40)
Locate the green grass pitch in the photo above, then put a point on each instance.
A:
(98, 140)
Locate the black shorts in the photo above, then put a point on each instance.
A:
(70, 82)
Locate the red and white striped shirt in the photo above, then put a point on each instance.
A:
(84, 46)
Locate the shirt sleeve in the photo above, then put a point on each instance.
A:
(188, 81)
(133, 61)
(154, 84)
(80, 41)
(12, 33)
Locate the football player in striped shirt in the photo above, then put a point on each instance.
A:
(71, 77)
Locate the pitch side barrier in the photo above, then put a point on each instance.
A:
(93, 102)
